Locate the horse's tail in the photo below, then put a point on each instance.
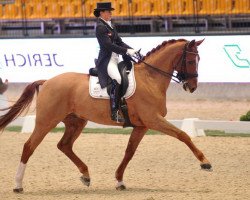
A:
(22, 103)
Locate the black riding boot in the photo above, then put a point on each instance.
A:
(114, 102)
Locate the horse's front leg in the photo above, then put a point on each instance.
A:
(162, 125)
(134, 140)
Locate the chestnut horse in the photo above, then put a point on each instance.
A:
(66, 98)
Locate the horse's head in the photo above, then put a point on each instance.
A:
(181, 64)
(187, 66)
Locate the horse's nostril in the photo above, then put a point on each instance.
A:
(192, 90)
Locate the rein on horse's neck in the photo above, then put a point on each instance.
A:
(155, 67)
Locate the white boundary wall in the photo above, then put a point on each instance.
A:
(223, 58)
(193, 126)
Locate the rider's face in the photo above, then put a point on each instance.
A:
(106, 15)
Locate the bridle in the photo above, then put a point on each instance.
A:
(183, 75)
(179, 77)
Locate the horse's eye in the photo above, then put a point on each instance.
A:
(191, 62)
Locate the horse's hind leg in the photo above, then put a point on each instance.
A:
(29, 147)
(73, 128)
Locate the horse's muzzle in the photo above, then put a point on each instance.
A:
(187, 87)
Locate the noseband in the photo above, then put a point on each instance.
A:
(179, 77)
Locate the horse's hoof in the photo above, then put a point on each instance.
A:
(85, 181)
(207, 167)
(120, 186)
(18, 190)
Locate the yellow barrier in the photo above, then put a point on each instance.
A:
(238, 7)
(169, 7)
(46, 9)
(34, 10)
(71, 9)
(150, 8)
(209, 7)
(121, 8)
(11, 11)
(175, 7)
(88, 8)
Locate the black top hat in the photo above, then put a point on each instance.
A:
(104, 6)
(101, 7)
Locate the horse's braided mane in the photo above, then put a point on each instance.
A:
(167, 42)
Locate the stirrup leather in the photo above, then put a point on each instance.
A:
(117, 117)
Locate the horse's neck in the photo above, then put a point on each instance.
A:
(151, 79)
(163, 60)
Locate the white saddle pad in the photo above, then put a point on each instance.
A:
(96, 91)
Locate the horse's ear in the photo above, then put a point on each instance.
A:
(191, 44)
(199, 42)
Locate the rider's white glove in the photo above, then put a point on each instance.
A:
(131, 52)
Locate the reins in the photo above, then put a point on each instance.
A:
(172, 76)
(179, 77)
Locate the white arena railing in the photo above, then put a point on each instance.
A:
(193, 126)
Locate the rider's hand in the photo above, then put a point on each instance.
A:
(131, 52)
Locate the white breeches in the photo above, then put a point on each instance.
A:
(113, 71)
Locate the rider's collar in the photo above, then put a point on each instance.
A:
(107, 22)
